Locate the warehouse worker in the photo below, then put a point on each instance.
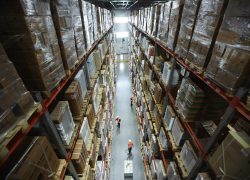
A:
(118, 121)
(130, 145)
(131, 101)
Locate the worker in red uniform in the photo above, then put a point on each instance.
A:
(118, 121)
(130, 145)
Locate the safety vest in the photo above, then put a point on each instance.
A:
(130, 144)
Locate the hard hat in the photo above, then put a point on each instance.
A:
(130, 140)
(117, 117)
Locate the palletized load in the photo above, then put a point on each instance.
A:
(63, 21)
(63, 120)
(16, 101)
(30, 40)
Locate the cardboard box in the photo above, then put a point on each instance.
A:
(36, 155)
(74, 96)
(232, 157)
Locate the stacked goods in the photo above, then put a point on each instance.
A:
(204, 32)
(63, 21)
(158, 93)
(90, 26)
(91, 66)
(78, 29)
(231, 158)
(188, 156)
(156, 20)
(189, 100)
(169, 80)
(15, 100)
(158, 170)
(63, 121)
(174, 23)
(172, 171)
(40, 161)
(74, 96)
(164, 22)
(169, 118)
(91, 115)
(188, 20)
(29, 38)
(79, 156)
(163, 139)
(81, 78)
(85, 132)
(97, 59)
(178, 133)
(94, 15)
(230, 61)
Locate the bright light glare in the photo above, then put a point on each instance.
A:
(121, 57)
(121, 20)
(121, 66)
(121, 34)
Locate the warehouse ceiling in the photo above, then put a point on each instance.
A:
(125, 5)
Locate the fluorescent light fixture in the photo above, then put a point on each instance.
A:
(121, 20)
(123, 34)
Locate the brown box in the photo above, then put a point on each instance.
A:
(74, 96)
(90, 115)
(42, 155)
(232, 157)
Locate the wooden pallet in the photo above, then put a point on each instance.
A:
(175, 148)
(181, 166)
(199, 70)
(61, 168)
(20, 128)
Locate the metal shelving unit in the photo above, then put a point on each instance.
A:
(234, 104)
(43, 116)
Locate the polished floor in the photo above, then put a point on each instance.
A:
(128, 129)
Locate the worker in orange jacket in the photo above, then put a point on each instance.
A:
(130, 145)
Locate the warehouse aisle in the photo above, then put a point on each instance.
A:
(128, 129)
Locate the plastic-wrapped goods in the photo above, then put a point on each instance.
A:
(191, 7)
(158, 170)
(63, 121)
(97, 58)
(15, 100)
(85, 22)
(166, 74)
(189, 100)
(63, 21)
(40, 161)
(163, 139)
(74, 96)
(178, 132)
(229, 66)
(81, 78)
(78, 29)
(169, 118)
(94, 15)
(91, 115)
(172, 171)
(203, 176)
(164, 22)
(231, 158)
(156, 20)
(207, 22)
(91, 66)
(85, 131)
(230, 61)
(29, 38)
(188, 156)
(174, 23)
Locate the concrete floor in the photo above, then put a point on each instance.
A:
(127, 131)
